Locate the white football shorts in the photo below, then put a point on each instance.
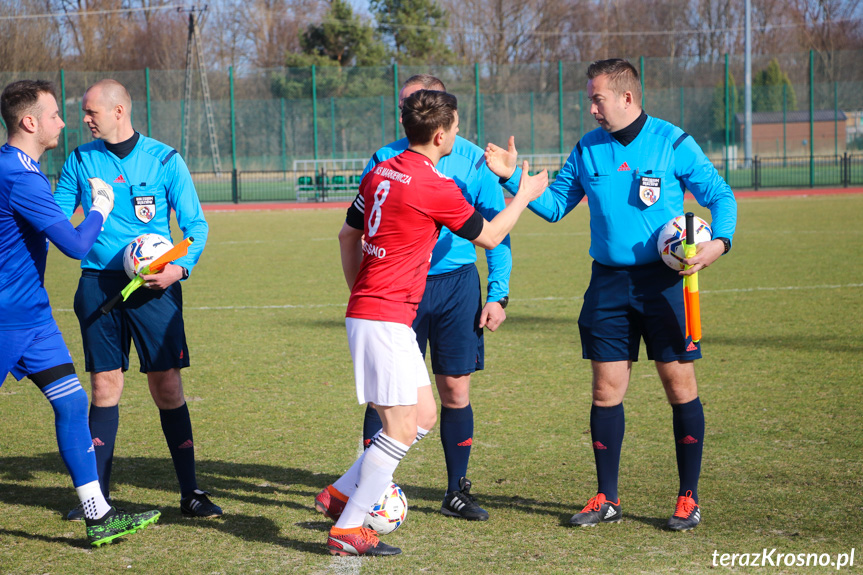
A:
(388, 365)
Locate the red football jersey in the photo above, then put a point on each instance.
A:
(404, 201)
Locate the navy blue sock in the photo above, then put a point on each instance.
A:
(689, 442)
(456, 436)
(177, 427)
(104, 422)
(607, 426)
(371, 425)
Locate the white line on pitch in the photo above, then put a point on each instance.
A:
(284, 306)
(716, 291)
(548, 298)
(274, 241)
(349, 565)
(242, 307)
(781, 288)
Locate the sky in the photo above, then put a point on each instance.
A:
(360, 6)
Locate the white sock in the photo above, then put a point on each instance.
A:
(93, 501)
(420, 434)
(376, 472)
(347, 483)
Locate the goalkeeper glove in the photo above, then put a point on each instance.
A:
(102, 197)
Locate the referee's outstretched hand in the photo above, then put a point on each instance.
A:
(531, 187)
(502, 162)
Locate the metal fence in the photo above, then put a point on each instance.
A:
(268, 120)
(819, 171)
(341, 185)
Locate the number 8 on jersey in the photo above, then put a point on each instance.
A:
(380, 196)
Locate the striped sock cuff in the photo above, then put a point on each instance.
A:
(390, 447)
(421, 433)
(64, 386)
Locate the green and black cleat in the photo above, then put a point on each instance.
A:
(116, 524)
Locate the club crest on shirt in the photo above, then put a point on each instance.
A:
(649, 190)
(145, 208)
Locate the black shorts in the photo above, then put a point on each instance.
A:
(448, 319)
(622, 305)
(153, 319)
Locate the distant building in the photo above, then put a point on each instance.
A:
(767, 133)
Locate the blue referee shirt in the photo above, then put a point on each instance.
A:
(624, 228)
(466, 166)
(148, 183)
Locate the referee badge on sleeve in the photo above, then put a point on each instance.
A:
(145, 208)
(649, 190)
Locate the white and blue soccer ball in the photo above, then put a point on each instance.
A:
(673, 236)
(144, 250)
(389, 512)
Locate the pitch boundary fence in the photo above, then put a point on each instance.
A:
(337, 183)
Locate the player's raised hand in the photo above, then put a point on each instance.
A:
(502, 162)
(102, 196)
(532, 186)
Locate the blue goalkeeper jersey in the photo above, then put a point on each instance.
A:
(148, 183)
(27, 208)
(481, 188)
(632, 191)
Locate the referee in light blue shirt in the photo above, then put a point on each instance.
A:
(149, 179)
(633, 170)
(451, 316)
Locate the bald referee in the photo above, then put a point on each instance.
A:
(150, 180)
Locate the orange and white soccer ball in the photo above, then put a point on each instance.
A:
(144, 250)
(389, 512)
(673, 236)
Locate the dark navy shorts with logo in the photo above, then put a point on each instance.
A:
(448, 318)
(153, 319)
(623, 305)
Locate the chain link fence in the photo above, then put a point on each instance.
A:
(270, 124)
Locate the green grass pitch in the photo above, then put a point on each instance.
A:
(275, 416)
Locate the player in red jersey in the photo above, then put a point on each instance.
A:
(386, 245)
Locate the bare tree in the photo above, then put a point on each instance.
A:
(497, 32)
(259, 33)
(93, 39)
(718, 23)
(161, 38)
(256, 34)
(117, 34)
(30, 44)
(772, 27)
(828, 26)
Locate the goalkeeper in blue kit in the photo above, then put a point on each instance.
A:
(632, 169)
(31, 344)
(150, 180)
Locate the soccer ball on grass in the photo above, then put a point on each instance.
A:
(144, 250)
(389, 512)
(673, 236)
